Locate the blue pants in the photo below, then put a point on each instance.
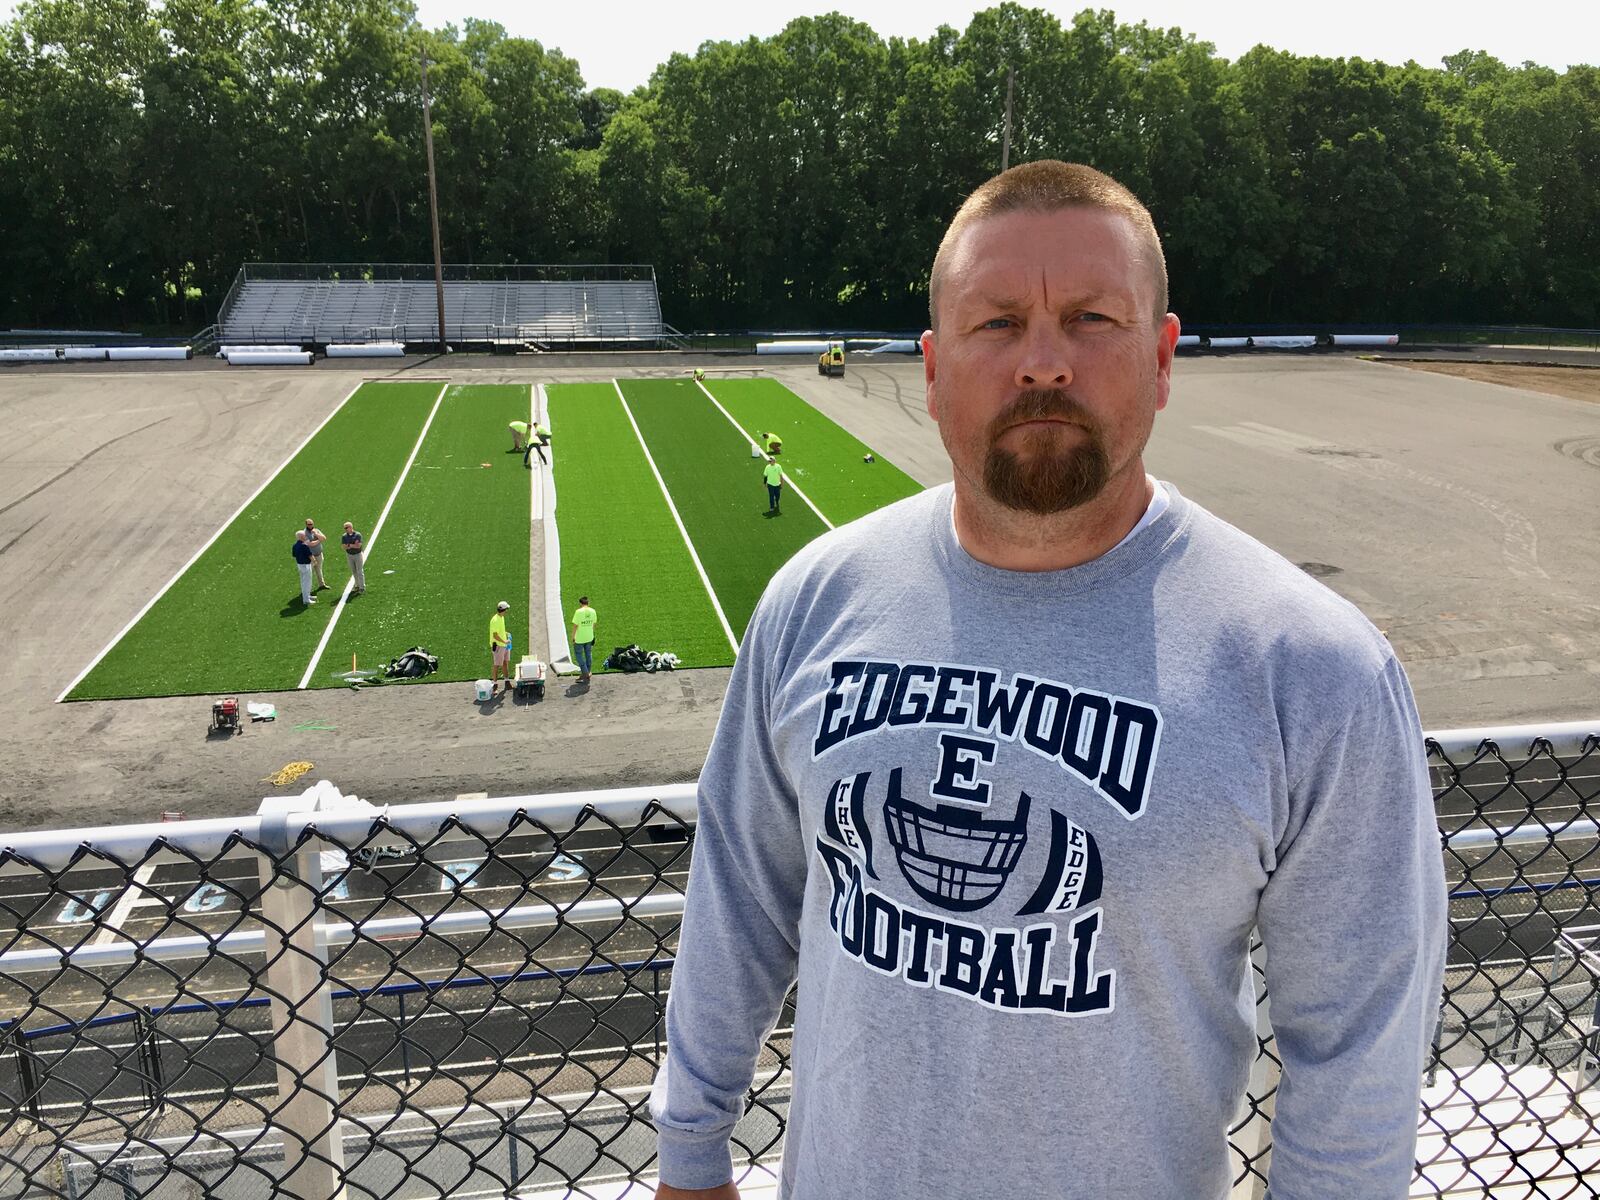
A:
(774, 492)
(583, 656)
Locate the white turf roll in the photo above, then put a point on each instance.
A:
(366, 349)
(270, 358)
(1229, 343)
(84, 354)
(147, 353)
(898, 346)
(1286, 341)
(31, 354)
(1188, 339)
(791, 347)
(231, 347)
(1366, 339)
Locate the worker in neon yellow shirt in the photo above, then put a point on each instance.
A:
(584, 621)
(774, 476)
(536, 443)
(773, 444)
(499, 645)
(519, 436)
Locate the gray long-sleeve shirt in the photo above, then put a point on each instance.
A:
(1012, 832)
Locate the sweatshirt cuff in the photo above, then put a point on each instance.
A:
(693, 1160)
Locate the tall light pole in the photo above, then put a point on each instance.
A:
(433, 200)
(1005, 146)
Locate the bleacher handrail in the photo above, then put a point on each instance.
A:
(435, 821)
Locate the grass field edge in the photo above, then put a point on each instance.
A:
(220, 530)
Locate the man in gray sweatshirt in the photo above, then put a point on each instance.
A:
(1008, 773)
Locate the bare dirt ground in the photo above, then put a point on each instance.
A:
(1575, 383)
(1453, 514)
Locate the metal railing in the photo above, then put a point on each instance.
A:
(424, 335)
(455, 272)
(465, 998)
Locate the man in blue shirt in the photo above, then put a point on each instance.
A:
(302, 561)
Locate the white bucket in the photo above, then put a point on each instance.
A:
(482, 690)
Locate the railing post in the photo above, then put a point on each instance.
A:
(1254, 1141)
(307, 1111)
(27, 1074)
(150, 1079)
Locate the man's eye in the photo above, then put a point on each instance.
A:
(1093, 317)
(997, 323)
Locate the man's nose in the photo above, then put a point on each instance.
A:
(1046, 360)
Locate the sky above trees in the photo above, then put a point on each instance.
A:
(621, 50)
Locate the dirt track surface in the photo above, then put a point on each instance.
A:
(1575, 383)
(1455, 514)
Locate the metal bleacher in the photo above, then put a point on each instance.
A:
(538, 307)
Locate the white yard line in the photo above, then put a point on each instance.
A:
(793, 486)
(369, 543)
(678, 521)
(149, 604)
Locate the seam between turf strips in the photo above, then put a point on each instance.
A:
(221, 529)
(678, 520)
(545, 490)
(366, 546)
(793, 486)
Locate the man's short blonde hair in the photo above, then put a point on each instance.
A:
(1049, 186)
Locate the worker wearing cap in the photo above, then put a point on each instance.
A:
(773, 474)
(584, 620)
(537, 443)
(773, 444)
(519, 435)
(499, 645)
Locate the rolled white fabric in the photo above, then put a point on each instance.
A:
(30, 354)
(1366, 339)
(224, 350)
(1286, 341)
(147, 353)
(270, 358)
(1229, 343)
(366, 349)
(791, 347)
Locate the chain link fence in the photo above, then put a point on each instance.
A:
(465, 999)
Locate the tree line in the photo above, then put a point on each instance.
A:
(148, 148)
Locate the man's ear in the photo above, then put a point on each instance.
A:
(1166, 343)
(928, 366)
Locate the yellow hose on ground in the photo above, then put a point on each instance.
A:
(286, 776)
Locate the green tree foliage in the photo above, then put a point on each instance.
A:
(148, 147)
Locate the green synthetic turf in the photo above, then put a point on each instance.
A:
(456, 542)
(457, 538)
(719, 492)
(619, 544)
(234, 622)
(823, 459)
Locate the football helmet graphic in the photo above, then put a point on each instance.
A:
(950, 856)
